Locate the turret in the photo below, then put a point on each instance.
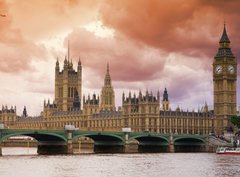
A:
(65, 66)
(57, 68)
(140, 95)
(205, 107)
(165, 95)
(158, 95)
(24, 112)
(79, 65)
(165, 101)
(123, 97)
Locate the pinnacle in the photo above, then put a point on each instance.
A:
(224, 37)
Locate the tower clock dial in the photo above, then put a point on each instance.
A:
(231, 69)
(218, 69)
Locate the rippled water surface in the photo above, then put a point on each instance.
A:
(111, 165)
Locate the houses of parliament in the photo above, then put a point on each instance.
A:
(140, 112)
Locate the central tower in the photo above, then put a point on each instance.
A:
(68, 85)
(224, 80)
(107, 94)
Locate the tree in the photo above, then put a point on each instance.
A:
(236, 121)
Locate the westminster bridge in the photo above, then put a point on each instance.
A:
(61, 141)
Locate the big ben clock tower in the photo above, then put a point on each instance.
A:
(224, 80)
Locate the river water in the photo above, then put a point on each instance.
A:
(117, 165)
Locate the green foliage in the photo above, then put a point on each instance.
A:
(236, 121)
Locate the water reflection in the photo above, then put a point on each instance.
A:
(104, 165)
(19, 151)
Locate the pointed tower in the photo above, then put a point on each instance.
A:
(66, 82)
(224, 83)
(24, 112)
(107, 94)
(165, 101)
(79, 80)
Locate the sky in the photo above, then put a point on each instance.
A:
(149, 45)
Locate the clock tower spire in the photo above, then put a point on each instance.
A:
(224, 83)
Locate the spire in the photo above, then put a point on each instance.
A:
(224, 49)
(107, 80)
(57, 65)
(224, 37)
(71, 64)
(68, 51)
(57, 62)
(107, 67)
(123, 97)
(79, 64)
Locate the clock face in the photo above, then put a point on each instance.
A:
(218, 69)
(231, 69)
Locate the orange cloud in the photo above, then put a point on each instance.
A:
(189, 27)
(16, 52)
(129, 61)
(42, 19)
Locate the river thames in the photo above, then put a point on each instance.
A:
(13, 164)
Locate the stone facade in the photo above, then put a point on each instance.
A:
(139, 112)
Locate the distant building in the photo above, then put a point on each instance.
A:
(8, 116)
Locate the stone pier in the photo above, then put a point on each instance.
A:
(52, 148)
(69, 142)
(171, 145)
(131, 147)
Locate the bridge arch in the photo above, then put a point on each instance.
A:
(189, 139)
(151, 143)
(104, 142)
(54, 142)
(141, 138)
(189, 144)
(101, 136)
(39, 136)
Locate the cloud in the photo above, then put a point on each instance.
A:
(129, 61)
(16, 52)
(188, 27)
(47, 18)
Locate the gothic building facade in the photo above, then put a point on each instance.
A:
(142, 111)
